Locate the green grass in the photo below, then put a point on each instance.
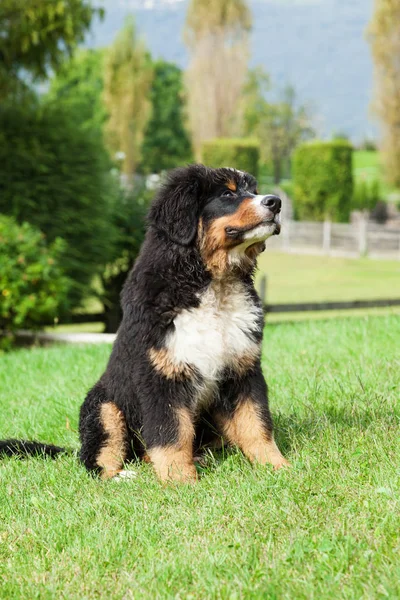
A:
(96, 327)
(303, 278)
(367, 167)
(327, 528)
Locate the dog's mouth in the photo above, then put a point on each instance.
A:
(274, 221)
(238, 231)
(277, 227)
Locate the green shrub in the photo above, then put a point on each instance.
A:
(365, 195)
(243, 154)
(166, 141)
(323, 181)
(33, 287)
(55, 175)
(128, 221)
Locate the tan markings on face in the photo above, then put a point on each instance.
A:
(175, 462)
(231, 185)
(114, 450)
(163, 362)
(214, 243)
(246, 430)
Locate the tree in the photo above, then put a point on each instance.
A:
(280, 126)
(217, 35)
(127, 220)
(166, 140)
(78, 87)
(35, 36)
(55, 175)
(385, 44)
(127, 80)
(323, 180)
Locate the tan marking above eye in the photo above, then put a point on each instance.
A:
(231, 185)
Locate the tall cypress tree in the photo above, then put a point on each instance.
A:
(217, 35)
(166, 143)
(384, 37)
(128, 76)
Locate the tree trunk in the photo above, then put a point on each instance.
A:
(112, 303)
(112, 318)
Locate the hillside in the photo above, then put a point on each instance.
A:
(317, 45)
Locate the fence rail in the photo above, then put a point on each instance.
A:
(318, 306)
(341, 239)
(273, 308)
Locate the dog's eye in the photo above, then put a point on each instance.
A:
(228, 193)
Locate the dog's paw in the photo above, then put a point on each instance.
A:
(281, 464)
(125, 475)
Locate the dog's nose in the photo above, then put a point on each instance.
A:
(272, 202)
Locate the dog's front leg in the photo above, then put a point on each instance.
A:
(168, 437)
(246, 420)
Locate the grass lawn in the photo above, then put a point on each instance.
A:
(304, 278)
(327, 528)
(367, 166)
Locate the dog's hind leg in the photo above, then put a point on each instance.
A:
(103, 434)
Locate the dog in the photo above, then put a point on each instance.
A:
(185, 368)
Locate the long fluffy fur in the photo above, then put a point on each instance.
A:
(23, 449)
(150, 402)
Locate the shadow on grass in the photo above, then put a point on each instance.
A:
(292, 430)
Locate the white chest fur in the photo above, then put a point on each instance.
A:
(216, 334)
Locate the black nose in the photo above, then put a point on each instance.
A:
(272, 202)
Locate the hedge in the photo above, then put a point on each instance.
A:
(242, 154)
(33, 287)
(323, 180)
(55, 175)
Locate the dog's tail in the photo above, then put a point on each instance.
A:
(23, 448)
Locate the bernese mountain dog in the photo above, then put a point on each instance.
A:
(185, 369)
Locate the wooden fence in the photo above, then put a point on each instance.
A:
(360, 238)
(272, 308)
(338, 239)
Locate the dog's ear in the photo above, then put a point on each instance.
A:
(176, 207)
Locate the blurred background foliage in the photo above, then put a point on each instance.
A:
(84, 135)
(34, 287)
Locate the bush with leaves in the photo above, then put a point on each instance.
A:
(55, 175)
(366, 195)
(36, 36)
(166, 141)
(128, 223)
(78, 87)
(33, 287)
(323, 181)
(243, 154)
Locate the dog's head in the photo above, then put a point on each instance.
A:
(218, 210)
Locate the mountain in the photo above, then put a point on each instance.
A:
(319, 46)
